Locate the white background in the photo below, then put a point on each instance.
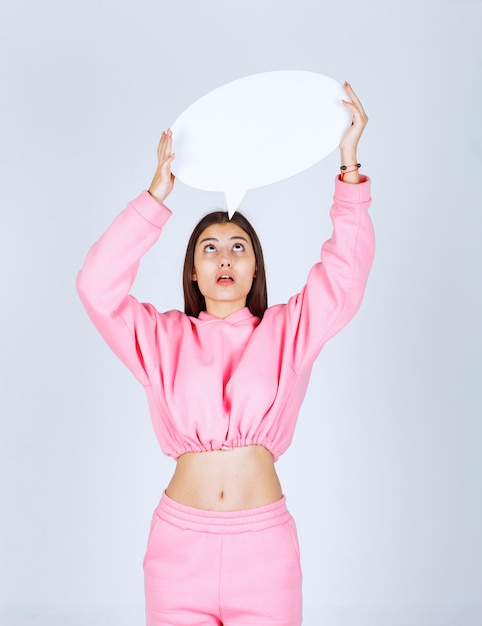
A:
(384, 474)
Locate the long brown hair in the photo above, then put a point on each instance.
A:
(257, 298)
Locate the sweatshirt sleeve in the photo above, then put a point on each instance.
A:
(335, 285)
(104, 282)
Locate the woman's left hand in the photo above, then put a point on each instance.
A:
(350, 139)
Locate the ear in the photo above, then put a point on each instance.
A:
(194, 275)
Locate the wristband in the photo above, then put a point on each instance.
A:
(344, 169)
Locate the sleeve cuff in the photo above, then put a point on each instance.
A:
(348, 192)
(150, 209)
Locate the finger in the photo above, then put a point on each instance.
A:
(353, 108)
(167, 141)
(165, 166)
(359, 115)
(160, 147)
(167, 158)
(354, 98)
(351, 92)
(165, 147)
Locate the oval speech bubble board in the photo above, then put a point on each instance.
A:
(258, 130)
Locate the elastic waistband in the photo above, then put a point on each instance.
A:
(222, 522)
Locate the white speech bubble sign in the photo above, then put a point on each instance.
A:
(258, 130)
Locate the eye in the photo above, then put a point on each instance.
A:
(238, 247)
(209, 248)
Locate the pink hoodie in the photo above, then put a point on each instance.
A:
(219, 383)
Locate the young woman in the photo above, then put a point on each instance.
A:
(225, 381)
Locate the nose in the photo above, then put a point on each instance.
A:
(224, 261)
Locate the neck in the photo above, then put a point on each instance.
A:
(223, 309)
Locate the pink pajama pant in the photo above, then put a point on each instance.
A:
(217, 568)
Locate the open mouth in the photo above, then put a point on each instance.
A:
(225, 279)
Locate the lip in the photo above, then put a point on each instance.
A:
(229, 280)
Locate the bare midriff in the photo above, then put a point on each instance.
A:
(226, 480)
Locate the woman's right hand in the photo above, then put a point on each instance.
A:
(163, 181)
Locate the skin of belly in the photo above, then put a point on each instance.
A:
(226, 480)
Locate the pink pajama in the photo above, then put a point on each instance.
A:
(213, 568)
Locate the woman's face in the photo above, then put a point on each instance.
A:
(224, 268)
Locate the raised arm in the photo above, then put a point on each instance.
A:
(111, 266)
(335, 286)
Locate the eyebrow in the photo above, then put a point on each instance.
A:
(230, 239)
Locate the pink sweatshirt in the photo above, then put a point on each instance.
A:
(218, 383)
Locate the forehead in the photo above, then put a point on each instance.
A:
(223, 232)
